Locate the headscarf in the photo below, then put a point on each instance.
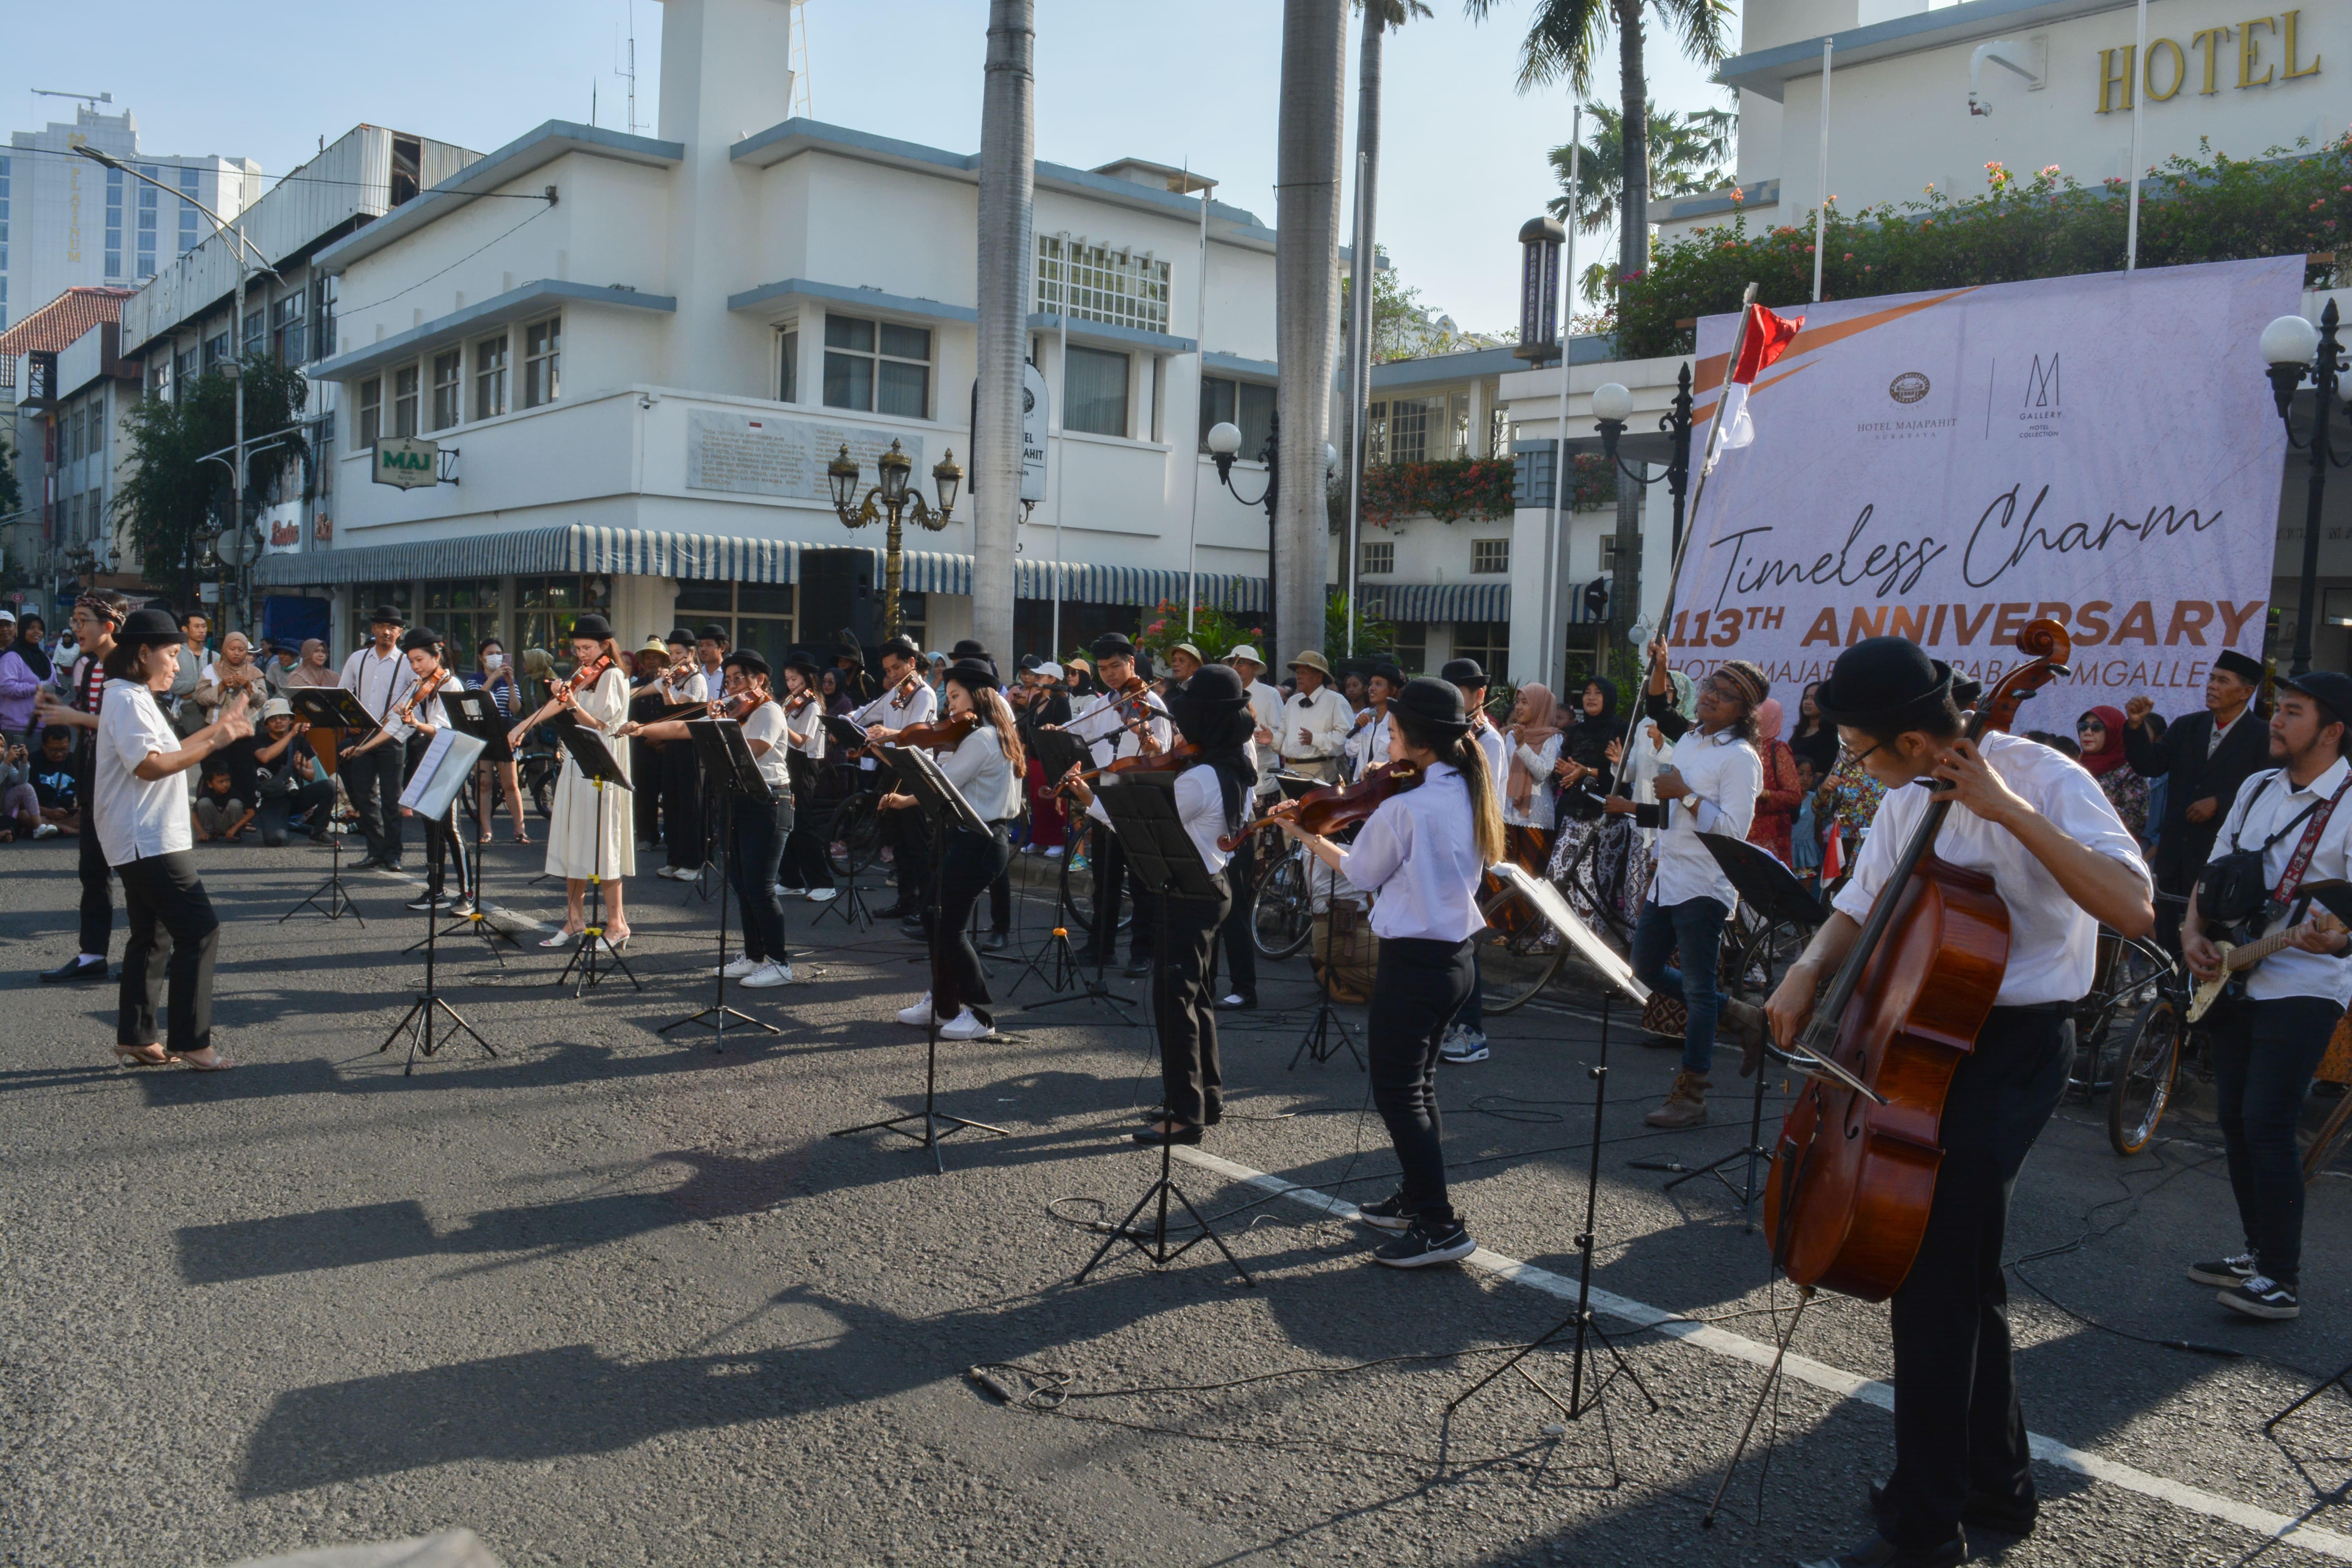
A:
(1686, 695)
(1587, 739)
(1767, 719)
(2109, 757)
(1536, 700)
(36, 657)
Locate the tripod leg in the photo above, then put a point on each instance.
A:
(1118, 1233)
(1771, 1377)
(1214, 1239)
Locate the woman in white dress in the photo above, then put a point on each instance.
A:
(1534, 739)
(576, 849)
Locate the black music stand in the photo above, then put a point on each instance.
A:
(474, 715)
(918, 775)
(1167, 863)
(851, 904)
(726, 758)
(419, 1020)
(604, 770)
(1318, 1043)
(331, 707)
(1772, 889)
(1058, 751)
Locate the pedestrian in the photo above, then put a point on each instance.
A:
(2202, 758)
(96, 614)
(286, 778)
(20, 686)
(2100, 733)
(20, 803)
(1816, 740)
(375, 769)
(1777, 802)
(311, 669)
(494, 678)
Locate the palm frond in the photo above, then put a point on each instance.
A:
(1704, 26)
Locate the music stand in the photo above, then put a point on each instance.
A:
(595, 759)
(1315, 1045)
(918, 775)
(726, 758)
(432, 788)
(473, 715)
(1058, 751)
(332, 707)
(851, 905)
(1143, 810)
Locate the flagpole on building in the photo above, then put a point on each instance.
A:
(1200, 358)
(1565, 294)
(1061, 437)
(1821, 211)
(2139, 91)
(1714, 451)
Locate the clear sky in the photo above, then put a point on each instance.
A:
(1462, 163)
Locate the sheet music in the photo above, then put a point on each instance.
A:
(1553, 908)
(440, 773)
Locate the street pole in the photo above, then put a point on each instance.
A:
(1555, 659)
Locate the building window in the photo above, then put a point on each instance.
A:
(367, 597)
(1380, 557)
(491, 377)
(371, 411)
(1097, 283)
(215, 349)
(757, 616)
(188, 211)
(288, 339)
(1607, 552)
(1418, 429)
(256, 333)
(788, 374)
(1245, 403)
(448, 388)
(404, 400)
(545, 607)
(542, 362)
(1094, 400)
(880, 367)
(146, 222)
(464, 613)
(114, 223)
(184, 373)
(1488, 642)
(322, 317)
(1490, 555)
(1409, 645)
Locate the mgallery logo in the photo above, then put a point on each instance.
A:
(1908, 387)
(2038, 414)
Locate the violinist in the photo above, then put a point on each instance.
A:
(2062, 862)
(1315, 722)
(1465, 1037)
(806, 872)
(904, 702)
(1211, 709)
(986, 768)
(580, 844)
(379, 677)
(686, 678)
(1124, 720)
(1047, 705)
(422, 717)
(1422, 851)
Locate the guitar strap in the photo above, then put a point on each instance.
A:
(2283, 896)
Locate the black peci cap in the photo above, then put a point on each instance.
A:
(2238, 664)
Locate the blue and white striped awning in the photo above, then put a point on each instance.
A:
(1436, 600)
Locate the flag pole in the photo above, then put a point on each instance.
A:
(1714, 451)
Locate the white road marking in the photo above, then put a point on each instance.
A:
(1820, 1374)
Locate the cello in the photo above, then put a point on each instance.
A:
(1853, 1170)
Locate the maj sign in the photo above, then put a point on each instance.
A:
(408, 461)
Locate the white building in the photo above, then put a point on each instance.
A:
(63, 390)
(65, 221)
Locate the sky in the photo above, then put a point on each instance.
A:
(1462, 163)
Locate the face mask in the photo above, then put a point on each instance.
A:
(494, 661)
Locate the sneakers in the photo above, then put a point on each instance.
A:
(918, 1016)
(1461, 1045)
(428, 901)
(673, 873)
(1419, 1248)
(769, 974)
(966, 1026)
(1054, 852)
(45, 830)
(1390, 1213)
(782, 891)
(1686, 1103)
(737, 967)
(822, 894)
(464, 905)
(2225, 1271)
(2262, 1296)
(1237, 1001)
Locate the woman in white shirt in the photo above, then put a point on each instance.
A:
(806, 872)
(756, 830)
(1422, 853)
(1212, 797)
(140, 814)
(986, 767)
(1534, 736)
(583, 841)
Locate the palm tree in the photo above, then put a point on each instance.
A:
(1008, 173)
(1688, 154)
(1307, 142)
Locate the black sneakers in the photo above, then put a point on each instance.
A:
(2262, 1296)
(2225, 1271)
(1390, 1213)
(1421, 1247)
(1988, 1511)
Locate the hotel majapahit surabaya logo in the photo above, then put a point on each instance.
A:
(1908, 387)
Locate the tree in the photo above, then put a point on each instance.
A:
(1688, 154)
(1008, 173)
(175, 489)
(1305, 304)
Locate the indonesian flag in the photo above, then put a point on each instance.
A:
(1832, 855)
(1767, 337)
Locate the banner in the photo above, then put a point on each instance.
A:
(1946, 466)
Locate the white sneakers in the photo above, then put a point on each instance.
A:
(739, 966)
(769, 974)
(822, 894)
(918, 1016)
(965, 1025)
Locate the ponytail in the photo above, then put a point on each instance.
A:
(1469, 759)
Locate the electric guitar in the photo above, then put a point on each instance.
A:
(2237, 958)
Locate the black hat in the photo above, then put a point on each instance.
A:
(423, 638)
(1433, 703)
(973, 673)
(749, 662)
(1883, 681)
(1389, 673)
(1031, 663)
(385, 615)
(2244, 669)
(1213, 707)
(968, 647)
(591, 625)
(801, 659)
(712, 631)
(1113, 645)
(679, 635)
(900, 647)
(2330, 688)
(1464, 672)
(147, 625)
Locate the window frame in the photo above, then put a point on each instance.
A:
(874, 359)
(453, 403)
(1491, 557)
(367, 412)
(542, 361)
(1377, 558)
(492, 364)
(407, 402)
(1126, 391)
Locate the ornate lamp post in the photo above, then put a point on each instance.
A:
(895, 498)
(1224, 445)
(2296, 349)
(1613, 405)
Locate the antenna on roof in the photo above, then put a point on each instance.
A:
(797, 62)
(628, 72)
(92, 98)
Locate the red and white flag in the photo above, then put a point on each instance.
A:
(1767, 337)
(1832, 857)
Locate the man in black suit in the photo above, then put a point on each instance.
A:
(2206, 756)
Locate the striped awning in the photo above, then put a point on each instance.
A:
(1436, 601)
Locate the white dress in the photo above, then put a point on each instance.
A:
(571, 848)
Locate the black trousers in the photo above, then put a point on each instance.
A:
(908, 835)
(311, 802)
(645, 762)
(1000, 901)
(1416, 991)
(374, 778)
(805, 865)
(1958, 1425)
(1240, 953)
(174, 935)
(441, 844)
(968, 862)
(97, 876)
(1183, 1007)
(681, 803)
(2263, 1055)
(1112, 878)
(757, 830)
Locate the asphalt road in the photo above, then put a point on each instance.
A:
(613, 1298)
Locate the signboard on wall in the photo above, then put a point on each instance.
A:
(762, 455)
(1946, 466)
(1036, 406)
(408, 461)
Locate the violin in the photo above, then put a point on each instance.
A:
(421, 693)
(1325, 810)
(1174, 760)
(587, 673)
(1854, 1170)
(942, 734)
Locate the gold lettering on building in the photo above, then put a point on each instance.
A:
(2117, 76)
(2211, 40)
(2115, 79)
(2286, 37)
(2180, 70)
(2250, 50)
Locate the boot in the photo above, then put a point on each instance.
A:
(1686, 1103)
(1744, 1022)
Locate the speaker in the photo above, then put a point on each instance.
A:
(838, 590)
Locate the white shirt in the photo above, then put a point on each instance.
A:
(1498, 749)
(766, 723)
(982, 774)
(1324, 716)
(137, 818)
(1539, 763)
(1369, 747)
(1103, 724)
(1420, 853)
(1265, 711)
(893, 711)
(379, 683)
(2053, 940)
(807, 731)
(1724, 775)
(1199, 804)
(2253, 817)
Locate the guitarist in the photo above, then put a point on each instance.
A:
(2268, 1042)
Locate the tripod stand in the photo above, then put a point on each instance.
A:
(1066, 963)
(595, 957)
(1327, 1032)
(431, 788)
(339, 899)
(726, 758)
(419, 1020)
(340, 711)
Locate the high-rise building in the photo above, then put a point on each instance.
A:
(66, 222)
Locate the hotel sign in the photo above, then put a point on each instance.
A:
(406, 461)
(2260, 51)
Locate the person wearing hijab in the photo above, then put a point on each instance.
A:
(2100, 733)
(1585, 773)
(311, 669)
(1777, 803)
(1533, 738)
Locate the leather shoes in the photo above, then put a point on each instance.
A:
(900, 911)
(1240, 1002)
(1982, 1510)
(72, 971)
(995, 941)
(1210, 1115)
(1880, 1552)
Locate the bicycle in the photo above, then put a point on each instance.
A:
(1282, 913)
(2139, 1003)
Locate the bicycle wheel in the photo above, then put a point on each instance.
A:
(1586, 889)
(854, 838)
(542, 788)
(2145, 1069)
(1283, 917)
(1518, 953)
(2329, 1141)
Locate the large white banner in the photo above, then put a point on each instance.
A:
(1946, 466)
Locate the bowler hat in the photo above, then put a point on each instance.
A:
(1434, 704)
(591, 625)
(749, 662)
(680, 635)
(712, 632)
(973, 673)
(423, 638)
(148, 625)
(801, 659)
(1464, 672)
(1114, 644)
(1882, 680)
(382, 615)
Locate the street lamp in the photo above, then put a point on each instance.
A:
(2297, 349)
(1613, 406)
(897, 498)
(1224, 445)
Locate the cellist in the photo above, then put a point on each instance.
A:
(2038, 826)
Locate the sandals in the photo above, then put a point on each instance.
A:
(218, 1064)
(137, 1056)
